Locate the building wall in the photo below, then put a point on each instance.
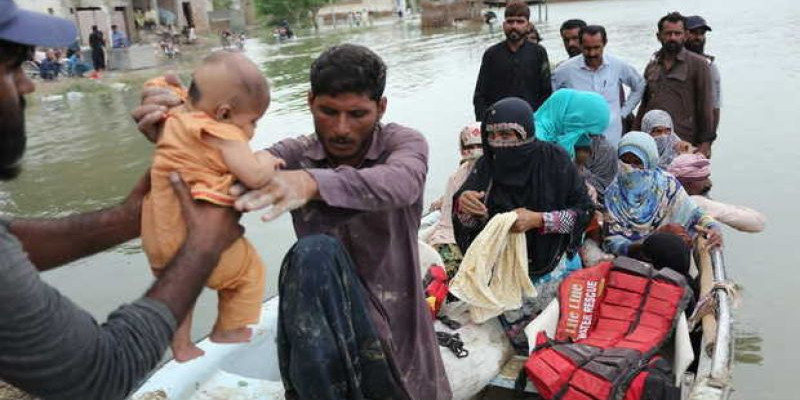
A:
(58, 8)
(345, 7)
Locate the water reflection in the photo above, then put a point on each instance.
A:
(747, 345)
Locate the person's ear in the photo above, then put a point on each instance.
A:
(310, 98)
(223, 112)
(382, 107)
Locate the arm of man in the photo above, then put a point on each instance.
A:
(716, 87)
(51, 348)
(479, 100)
(54, 242)
(634, 80)
(396, 183)
(545, 84)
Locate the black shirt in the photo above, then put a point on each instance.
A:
(524, 74)
(96, 40)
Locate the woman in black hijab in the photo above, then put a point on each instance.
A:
(534, 178)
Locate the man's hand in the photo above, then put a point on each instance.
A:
(471, 202)
(704, 149)
(527, 220)
(209, 227)
(150, 115)
(286, 191)
(713, 236)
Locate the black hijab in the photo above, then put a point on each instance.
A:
(532, 174)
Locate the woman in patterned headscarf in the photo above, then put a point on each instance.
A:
(441, 238)
(644, 199)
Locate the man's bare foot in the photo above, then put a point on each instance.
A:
(240, 335)
(186, 353)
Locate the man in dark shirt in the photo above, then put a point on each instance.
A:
(679, 82)
(98, 43)
(697, 27)
(50, 347)
(514, 67)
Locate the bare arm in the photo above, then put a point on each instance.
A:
(55, 350)
(254, 170)
(53, 242)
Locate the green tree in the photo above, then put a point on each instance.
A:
(297, 11)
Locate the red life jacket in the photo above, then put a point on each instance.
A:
(614, 317)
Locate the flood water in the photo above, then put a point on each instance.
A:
(85, 153)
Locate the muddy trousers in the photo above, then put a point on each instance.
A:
(328, 347)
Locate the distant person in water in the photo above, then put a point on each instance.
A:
(98, 44)
(514, 67)
(206, 140)
(694, 173)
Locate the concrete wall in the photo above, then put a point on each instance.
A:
(58, 8)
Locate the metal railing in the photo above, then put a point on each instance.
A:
(721, 358)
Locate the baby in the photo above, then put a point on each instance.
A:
(206, 140)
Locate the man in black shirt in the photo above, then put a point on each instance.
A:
(514, 67)
(98, 43)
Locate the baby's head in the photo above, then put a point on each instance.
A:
(231, 89)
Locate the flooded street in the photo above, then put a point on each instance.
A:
(85, 153)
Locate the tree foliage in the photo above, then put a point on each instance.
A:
(297, 11)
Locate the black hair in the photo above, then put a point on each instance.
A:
(14, 54)
(94, 27)
(193, 93)
(517, 8)
(672, 17)
(572, 24)
(348, 68)
(592, 30)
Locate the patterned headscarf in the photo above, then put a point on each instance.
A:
(509, 114)
(636, 195)
(470, 136)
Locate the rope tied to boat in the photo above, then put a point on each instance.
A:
(452, 342)
(707, 305)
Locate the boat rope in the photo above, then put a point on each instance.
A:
(452, 342)
(707, 305)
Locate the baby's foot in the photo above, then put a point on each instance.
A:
(187, 352)
(240, 335)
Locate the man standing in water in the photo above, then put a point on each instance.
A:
(353, 322)
(98, 44)
(696, 43)
(679, 82)
(50, 347)
(515, 67)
